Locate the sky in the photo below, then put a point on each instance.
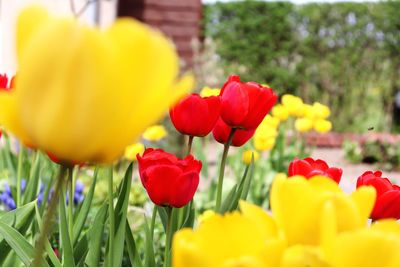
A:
(298, 1)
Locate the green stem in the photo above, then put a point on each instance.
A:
(168, 239)
(19, 173)
(190, 143)
(111, 215)
(222, 169)
(37, 262)
(71, 191)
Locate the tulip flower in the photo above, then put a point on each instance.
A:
(293, 104)
(244, 105)
(387, 203)
(87, 98)
(132, 150)
(195, 115)
(168, 180)
(303, 125)
(322, 126)
(248, 155)
(221, 133)
(155, 133)
(207, 91)
(309, 167)
(280, 112)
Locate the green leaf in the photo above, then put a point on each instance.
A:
(133, 253)
(199, 152)
(19, 244)
(68, 254)
(81, 249)
(20, 219)
(229, 200)
(31, 191)
(149, 260)
(190, 217)
(84, 211)
(247, 180)
(95, 235)
(163, 216)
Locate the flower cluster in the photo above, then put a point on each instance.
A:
(308, 117)
(313, 223)
(6, 197)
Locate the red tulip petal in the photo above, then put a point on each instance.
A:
(184, 189)
(234, 104)
(335, 174)
(160, 183)
(387, 206)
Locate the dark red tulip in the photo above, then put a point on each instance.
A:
(309, 167)
(167, 179)
(387, 204)
(195, 115)
(56, 160)
(221, 133)
(244, 105)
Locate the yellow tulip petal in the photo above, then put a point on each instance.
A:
(297, 256)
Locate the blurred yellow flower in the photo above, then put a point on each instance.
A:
(304, 209)
(205, 216)
(97, 91)
(280, 112)
(248, 154)
(270, 121)
(207, 91)
(155, 133)
(321, 111)
(322, 126)
(235, 239)
(303, 125)
(132, 150)
(293, 104)
(264, 137)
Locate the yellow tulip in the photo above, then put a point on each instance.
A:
(270, 121)
(293, 104)
(155, 133)
(322, 126)
(206, 215)
(132, 150)
(300, 206)
(280, 112)
(321, 111)
(248, 154)
(207, 91)
(85, 94)
(247, 239)
(264, 137)
(263, 144)
(303, 125)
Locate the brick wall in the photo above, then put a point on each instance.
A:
(178, 19)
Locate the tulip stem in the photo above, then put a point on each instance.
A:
(70, 203)
(111, 216)
(19, 174)
(190, 143)
(222, 169)
(168, 238)
(47, 222)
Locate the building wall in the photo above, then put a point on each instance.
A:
(178, 19)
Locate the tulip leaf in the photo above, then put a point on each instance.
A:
(95, 235)
(19, 244)
(120, 213)
(149, 259)
(133, 253)
(199, 152)
(229, 200)
(84, 211)
(163, 216)
(190, 217)
(81, 249)
(68, 254)
(20, 219)
(32, 184)
(248, 179)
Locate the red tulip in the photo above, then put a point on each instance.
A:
(221, 133)
(387, 204)
(244, 105)
(167, 179)
(56, 160)
(4, 82)
(196, 115)
(309, 167)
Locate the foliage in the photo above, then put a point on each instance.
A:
(339, 54)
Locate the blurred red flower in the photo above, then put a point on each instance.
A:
(221, 133)
(387, 204)
(309, 167)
